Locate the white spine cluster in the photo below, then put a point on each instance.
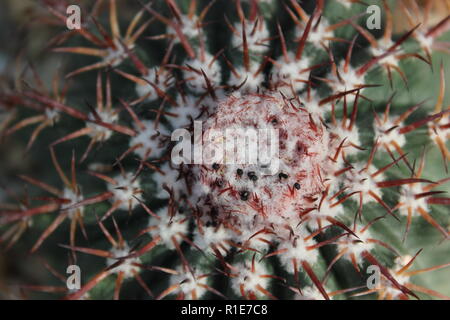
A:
(190, 26)
(170, 179)
(125, 190)
(73, 197)
(117, 54)
(346, 81)
(248, 80)
(355, 247)
(188, 110)
(211, 238)
(101, 133)
(127, 266)
(53, 115)
(387, 133)
(161, 78)
(190, 286)
(297, 251)
(249, 278)
(309, 293)
(256, 33)
(169, 228)
(292, 74)
(194, 77)
(360, 179)
(409, 203)
(151, 140)
(318, 35)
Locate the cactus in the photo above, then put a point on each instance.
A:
(362, 125)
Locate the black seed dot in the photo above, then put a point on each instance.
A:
(283, 175)
(252, 176)
(244, 195)
(274, 121)
(297, 186)
(215, 166)
(239, 172)
(219, 182)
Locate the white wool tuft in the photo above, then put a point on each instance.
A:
(252, 82)
(152, 140)
(171, 179)
(115, 56)
(297, 250)
(250, 279)
(190, 286)
(73, 197)
(257, 38)
(161, 78)
(101, 133)
(126, 266)
(195, 79)
(125, 191)
(355, 246)
(169, 228)
(292, 74)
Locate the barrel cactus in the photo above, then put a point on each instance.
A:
(118, 178)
